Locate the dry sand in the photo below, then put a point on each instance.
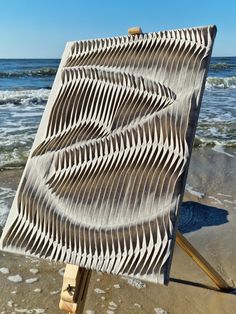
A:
(208, 220)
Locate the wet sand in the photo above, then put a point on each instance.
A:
(208, 220)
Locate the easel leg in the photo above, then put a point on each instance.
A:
(74, 289)
(201, 262)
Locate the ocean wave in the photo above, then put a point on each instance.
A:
(29, 73)
(221, 66)
(24, 97)
(14, 149)
(208, 142)
(20, 114)
(221, 82)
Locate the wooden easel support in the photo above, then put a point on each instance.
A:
(187, 247)
(74, 289)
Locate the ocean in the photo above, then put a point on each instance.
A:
(25, 85)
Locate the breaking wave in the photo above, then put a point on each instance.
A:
(221, 66)
(29, 73)
(20, 114)
(24, 97)
(221, 82)
(209, 142)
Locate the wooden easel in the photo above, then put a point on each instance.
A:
(76, 279)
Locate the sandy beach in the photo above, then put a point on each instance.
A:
(113, 107)
(208, 220)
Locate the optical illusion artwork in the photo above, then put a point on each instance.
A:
(107, 170)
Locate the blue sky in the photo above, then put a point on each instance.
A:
(40, 28)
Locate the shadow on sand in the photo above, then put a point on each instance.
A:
(194, 216)
(200, 285)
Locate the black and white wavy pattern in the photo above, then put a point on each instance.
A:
(107, 171)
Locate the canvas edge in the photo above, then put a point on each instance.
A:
(178, 206)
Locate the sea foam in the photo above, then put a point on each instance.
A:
(221, 82)
(24, 97)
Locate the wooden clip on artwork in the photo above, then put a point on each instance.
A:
(135, 30)
(106, 174)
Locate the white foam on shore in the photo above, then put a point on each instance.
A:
(55, 292)
(190, 189)
(31, 280)
(99, 291)
(34, 270)
(229, 202)
(134, 282)
(16, 278)
(159, 310)
(137, 305)
(38, 290)
(35, 311)
(10, 303)
(225, 195)
(112, 305)
(217, 201)
(220, 149)
(4, 270)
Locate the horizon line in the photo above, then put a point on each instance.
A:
(53, 58)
